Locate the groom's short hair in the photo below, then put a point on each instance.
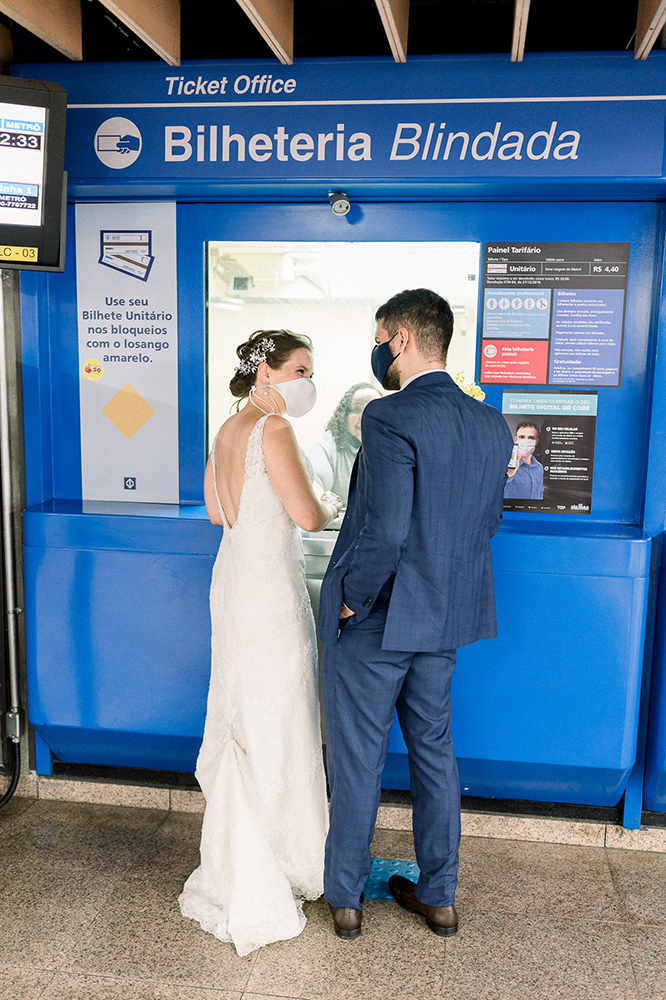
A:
(425, 314)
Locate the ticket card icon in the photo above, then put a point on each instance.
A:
(129, 251)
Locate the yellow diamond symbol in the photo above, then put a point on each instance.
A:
(128, 410)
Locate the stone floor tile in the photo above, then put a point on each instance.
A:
(396, 958)
(394, 817)
(45, 908)
(640, 879)
(173, 849)
(187, 800)
(398, 845)
(647, 946)
(536, 879)
(141, 935)
(515, 958)
(103, 793)
(541, 829)
(22, 984)
(68, 987)
(103, 838)
(9, 813)
(646, 839)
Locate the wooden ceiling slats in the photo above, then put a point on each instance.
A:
(155, 22)
(521, 13)
(274, 20)
(395, 19)
(56, 22)
(649, 22)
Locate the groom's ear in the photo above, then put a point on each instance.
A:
(406, 337)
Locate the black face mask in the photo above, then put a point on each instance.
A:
(382, 359)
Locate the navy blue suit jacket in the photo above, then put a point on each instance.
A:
(425, 499)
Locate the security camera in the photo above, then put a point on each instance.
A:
(339, 202)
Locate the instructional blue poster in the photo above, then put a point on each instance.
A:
(508, 312)
(586, 342)
(553, 313)
(551, 467)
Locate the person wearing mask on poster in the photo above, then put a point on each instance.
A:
(525, 480)
(332, 453)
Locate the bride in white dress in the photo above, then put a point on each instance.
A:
(260, 765)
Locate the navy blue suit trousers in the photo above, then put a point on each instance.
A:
(362, 685)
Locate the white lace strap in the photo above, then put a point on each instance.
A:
(254, 459)
(217, 495)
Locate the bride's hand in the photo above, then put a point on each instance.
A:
(332, 500)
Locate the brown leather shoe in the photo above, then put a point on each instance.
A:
(347, 921)
(441, 920)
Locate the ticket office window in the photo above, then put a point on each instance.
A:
(329, 291)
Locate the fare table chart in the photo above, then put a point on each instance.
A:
(553, 313)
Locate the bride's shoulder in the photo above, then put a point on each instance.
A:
(276, 425)
(278, 436)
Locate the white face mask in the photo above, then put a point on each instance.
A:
(299, 394)
(526, 448)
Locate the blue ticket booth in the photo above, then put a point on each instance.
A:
(559, 152)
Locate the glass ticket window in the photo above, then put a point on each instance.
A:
(330, 292)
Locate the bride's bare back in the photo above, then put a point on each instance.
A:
(284, 465)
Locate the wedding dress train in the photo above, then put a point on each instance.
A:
(260, 765)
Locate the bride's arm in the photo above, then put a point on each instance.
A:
(287, 472)
(210, 499)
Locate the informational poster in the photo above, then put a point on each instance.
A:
(128, 351)
(552, 465)
(553, 313)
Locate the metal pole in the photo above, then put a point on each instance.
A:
(14, 718)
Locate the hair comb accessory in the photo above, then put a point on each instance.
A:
(256, 357)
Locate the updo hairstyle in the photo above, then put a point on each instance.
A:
(285, 343)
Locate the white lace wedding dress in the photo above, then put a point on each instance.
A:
(260, 764)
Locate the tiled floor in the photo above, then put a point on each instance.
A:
(88, 912)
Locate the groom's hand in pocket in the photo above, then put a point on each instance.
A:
(346, 612)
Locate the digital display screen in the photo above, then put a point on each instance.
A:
(22, 150)
(33, 184)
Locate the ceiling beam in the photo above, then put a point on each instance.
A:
(6, 48)
(521, 13)
(649, 22)
(274, 20)
(56, 22)
(395, 18)
(155, 22)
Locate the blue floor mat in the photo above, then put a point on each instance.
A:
(382, 868)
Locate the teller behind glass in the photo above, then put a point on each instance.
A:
(260, 765)
(332, 453)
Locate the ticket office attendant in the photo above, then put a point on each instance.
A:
(526, 480)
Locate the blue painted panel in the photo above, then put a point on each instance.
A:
(612, 103)
(549, 709)
(49, 334)
(191, 359)
(623, 412)
(655, 772)
(116, 599)
(120, 650)
(51, 390)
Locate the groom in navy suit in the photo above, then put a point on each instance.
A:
(410, 580)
